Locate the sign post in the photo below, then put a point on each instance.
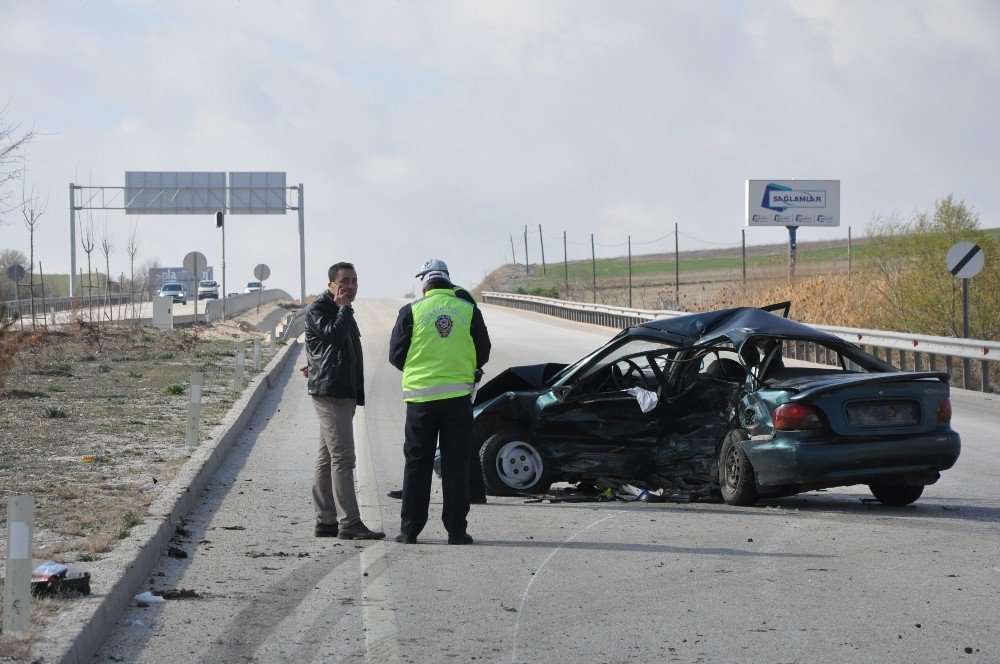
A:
(261, 273)
(964, 260)
(195, 263)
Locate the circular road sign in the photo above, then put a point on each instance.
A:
(965, 259)
(195, 263)
(262, 272)
(15, 272)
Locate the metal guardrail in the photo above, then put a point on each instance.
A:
(915, 351)
(22, 307)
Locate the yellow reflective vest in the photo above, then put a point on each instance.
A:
(441, 360)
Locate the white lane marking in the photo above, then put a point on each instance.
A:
(378, 606)
(534, 577)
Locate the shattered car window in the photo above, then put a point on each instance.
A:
(637, 362)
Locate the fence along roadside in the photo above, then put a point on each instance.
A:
(913, 350)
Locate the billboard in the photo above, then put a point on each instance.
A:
(793, 203)
(257, 193)
(168, 192)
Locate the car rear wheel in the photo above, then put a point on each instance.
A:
(512, 465)
(737, 478)
(896, 495)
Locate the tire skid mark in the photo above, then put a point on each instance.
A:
(377, 603)
(538, 572)
(253, 625)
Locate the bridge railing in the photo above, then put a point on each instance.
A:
(977, 368)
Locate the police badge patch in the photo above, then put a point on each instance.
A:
(443, 325)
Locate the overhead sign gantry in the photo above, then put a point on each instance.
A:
(199, 192)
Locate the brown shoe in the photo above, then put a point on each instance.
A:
(326, 529)
(359, 531)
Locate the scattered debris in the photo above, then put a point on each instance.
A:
(176, 552)
(176, 593)
(149, 598)
(508, 608)
(51, 578)
(233, 528)
(277, 554)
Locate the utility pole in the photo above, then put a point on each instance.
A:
(220, 222)
(565, 264)
(630, 271)
(513, 256)
(526, 273)
(677, 271)
(743, 242)
(593, 267)
(848, 253)
(541, 243)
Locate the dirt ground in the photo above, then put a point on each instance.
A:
(119, 394)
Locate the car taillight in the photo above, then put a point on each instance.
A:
(796, 417)
(944, 411)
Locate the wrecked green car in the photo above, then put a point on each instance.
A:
(707, 404)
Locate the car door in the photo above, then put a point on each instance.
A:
(596, 428)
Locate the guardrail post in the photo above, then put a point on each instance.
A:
(932, 361)
(241, 354)
(17, 586)
(948, 366)
(986, 375)
(966, 370)
(256, 354)
(194, 409)
(273, 339)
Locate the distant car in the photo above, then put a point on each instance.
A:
(175, 291)
(705, 403)
(253, 287)
(232, 294)
(208, 289)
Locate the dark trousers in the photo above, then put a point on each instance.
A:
(449, 420)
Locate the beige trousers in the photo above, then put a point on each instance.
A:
(333, 485)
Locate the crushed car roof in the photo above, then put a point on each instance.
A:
(735, 324)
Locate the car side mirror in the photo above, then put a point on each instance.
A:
(560, 392)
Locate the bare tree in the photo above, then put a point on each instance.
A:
(132, 248)
(87, 240)
(107, 247)
(12, 141)
(32, 209)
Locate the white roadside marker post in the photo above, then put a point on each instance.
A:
(256, 354)
(273, 340)
(194, 409)
(241, 354)
(17, 587)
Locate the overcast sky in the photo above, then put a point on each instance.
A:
(438, 129)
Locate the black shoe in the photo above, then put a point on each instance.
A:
(464, 538)
(405, 539)
(477, 500)
(396, 493)
(359, 531)
(326, 529)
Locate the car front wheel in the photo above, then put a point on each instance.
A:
(512, 465)
(896, 495)
(737, 478)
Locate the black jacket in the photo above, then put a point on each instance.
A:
(333, 347)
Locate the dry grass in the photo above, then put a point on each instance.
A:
(112, 384)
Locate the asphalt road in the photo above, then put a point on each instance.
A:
(820, 577)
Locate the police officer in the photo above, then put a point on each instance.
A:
(438, 342)
(477, 487)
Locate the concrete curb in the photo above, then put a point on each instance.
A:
(117, 578)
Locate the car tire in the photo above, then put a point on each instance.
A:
(895, 495)
(737, 477)
(513, 466)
